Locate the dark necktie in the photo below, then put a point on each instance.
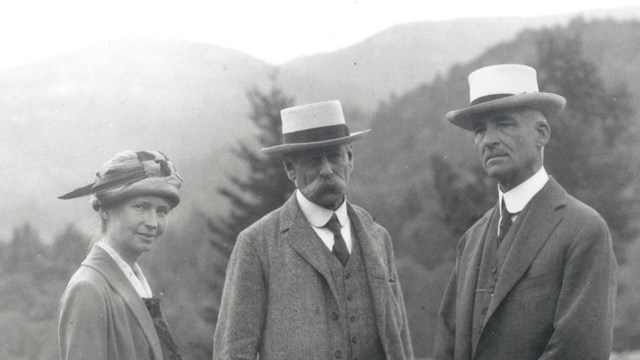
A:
(339, 246)
(505, 223)
(169, 347)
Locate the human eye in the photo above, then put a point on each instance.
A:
(139, 206)
(505, 122)
(478, 129)
(163, 211)
(333, 157)
(311, 160)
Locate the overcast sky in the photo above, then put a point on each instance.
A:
(271, 30)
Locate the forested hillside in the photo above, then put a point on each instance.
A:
(421, 177)
(417, 174)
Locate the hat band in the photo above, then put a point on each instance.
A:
(486, 98)
(144, 165)
(316, 134)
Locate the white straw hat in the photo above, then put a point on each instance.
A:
(501, 87)
(313, 125)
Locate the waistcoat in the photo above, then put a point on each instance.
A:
(354, 332)
(493, 258)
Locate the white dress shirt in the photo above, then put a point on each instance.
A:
(135, 275)
(517, 198)
(318, 217)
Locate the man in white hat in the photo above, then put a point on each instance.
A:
(535, 277)
(316, 278)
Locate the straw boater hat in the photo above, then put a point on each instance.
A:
(131, 174)
(504, 87)
(313, 125)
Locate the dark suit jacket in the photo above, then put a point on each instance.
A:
(555, 295)
(273, 298)
(102, 317)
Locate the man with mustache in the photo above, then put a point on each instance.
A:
(535, 277)
(315, 278)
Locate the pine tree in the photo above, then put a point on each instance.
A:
(463, 197)
(253, 194)
(591, 152)
(68, 250)
(25, 253)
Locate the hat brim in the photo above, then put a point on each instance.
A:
(295, 147)
(549, 104)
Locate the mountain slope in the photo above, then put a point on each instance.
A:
(63, 117)
(404, 56)
(394, 172)
(409, 129)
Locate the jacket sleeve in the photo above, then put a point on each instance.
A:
(444, 347)
(583, 324)
(82, 327)
(243, 306)
(405, 335)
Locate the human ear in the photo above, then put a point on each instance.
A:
(543, 134)
(287, 162)
(350, 157)
(104, 214)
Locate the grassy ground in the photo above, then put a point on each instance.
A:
(635, 355)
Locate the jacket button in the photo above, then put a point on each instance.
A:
(354, 340)
(349, 297)
(338, 354)
(494, 270)
(353, 318)
(348, 276)
(335, 316)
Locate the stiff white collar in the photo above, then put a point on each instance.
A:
(135, 275)
(517, 198)
(317, 215)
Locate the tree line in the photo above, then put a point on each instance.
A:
(426, 199)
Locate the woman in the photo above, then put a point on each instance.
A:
(107, 310)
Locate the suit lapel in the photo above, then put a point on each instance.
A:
(372, 247)
(471, 267)
(303, 239)
(102, 262)
(538, 223)
(374, 258)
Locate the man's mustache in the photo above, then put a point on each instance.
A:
(329, 181)
(491, 153)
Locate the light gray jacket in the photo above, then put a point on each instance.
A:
(274, 290)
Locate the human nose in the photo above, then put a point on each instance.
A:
(489, 137)
(325, 166)
(151, 219)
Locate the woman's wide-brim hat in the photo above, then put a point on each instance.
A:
(504, 87)
(312, 126)
(130, 174)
